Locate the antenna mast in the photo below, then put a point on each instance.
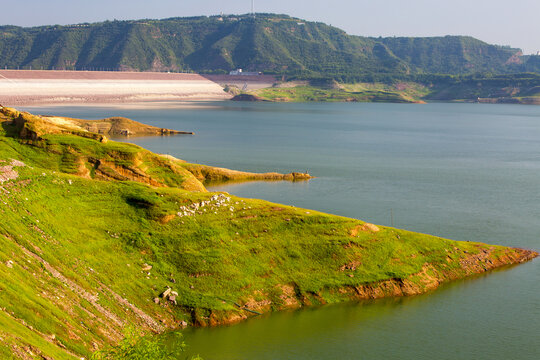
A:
(253, 8)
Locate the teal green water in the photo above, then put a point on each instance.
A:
(461, 171)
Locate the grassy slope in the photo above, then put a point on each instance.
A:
(360, 92)
(76, 247)
(524, 88)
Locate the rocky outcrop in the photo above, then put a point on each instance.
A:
(7, 170)
(33, 127)
(167, 295)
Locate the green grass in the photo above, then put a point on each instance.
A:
(408, 90)
(99, 234)
(137, 346)
(350, 93)
(522, 88)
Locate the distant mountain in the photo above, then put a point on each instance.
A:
(531, 63)
(276, 44)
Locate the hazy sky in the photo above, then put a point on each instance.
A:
(503, 22)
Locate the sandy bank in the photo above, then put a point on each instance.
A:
(54, 87)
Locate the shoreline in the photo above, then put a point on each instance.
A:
(429, 279)
(144, 89)
(143, 100)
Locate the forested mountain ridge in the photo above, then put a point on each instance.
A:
(275, 44)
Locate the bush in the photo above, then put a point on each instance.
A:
(134, 346)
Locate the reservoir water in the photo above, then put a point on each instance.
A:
(460, 171)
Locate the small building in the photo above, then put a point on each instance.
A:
(245, 73)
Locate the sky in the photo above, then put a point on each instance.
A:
(502, 22)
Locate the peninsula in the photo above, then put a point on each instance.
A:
(98, 234)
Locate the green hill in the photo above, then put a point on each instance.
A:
(450, 54)
(98, 235)
(532, 63)
(270, 43)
